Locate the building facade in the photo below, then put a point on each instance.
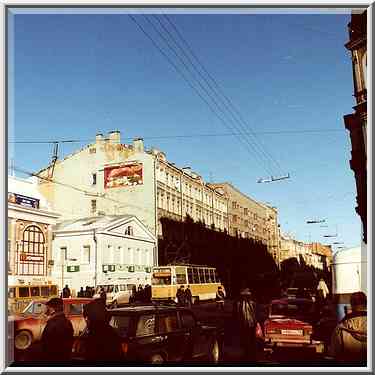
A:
(110, 178)
(248, 218)
(356, 122)
(30, 223)
(102, 250)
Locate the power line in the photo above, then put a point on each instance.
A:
(179, 71)
(232, 107)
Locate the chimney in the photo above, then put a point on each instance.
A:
(99, 138)
(138, 145)
(115, 137)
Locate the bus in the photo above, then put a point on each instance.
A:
(203, 281)
(21, 294)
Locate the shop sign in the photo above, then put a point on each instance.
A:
(23, 200)
(72, 268)
(27, 257)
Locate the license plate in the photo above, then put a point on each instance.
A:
(292, 332)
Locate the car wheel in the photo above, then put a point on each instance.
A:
(23, 340)
(156, 359)
(214, 351)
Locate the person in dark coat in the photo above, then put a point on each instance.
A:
(66, 292)
(103, 295)
(246, 315)
(99, 342)
(188, 297)
(81, 293)
(57, 337)
(220, 297)
(181, 296)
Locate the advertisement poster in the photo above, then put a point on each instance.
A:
(124, 175)
(23, 200)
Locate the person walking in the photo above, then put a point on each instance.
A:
(181, 296)
(349, 339)
(57, 337)
(188, 297)
(81, 292)
(99, 342)
(220, 297)
(66, 292)
(246, 315)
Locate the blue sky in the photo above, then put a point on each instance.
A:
(73, 75)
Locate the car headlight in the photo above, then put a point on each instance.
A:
(23, 340)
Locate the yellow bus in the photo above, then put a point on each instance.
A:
(20, 295)
(203, 282)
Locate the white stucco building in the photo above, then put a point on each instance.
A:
(103, 249)
(30, 222)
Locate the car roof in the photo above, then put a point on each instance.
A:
(144, 308)
(287, 300)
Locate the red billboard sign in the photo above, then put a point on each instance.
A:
(123, 175)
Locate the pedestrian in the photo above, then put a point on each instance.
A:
(81, 292)
(246, 312)
(188, 297)
(148, 293)
(99, 342)
(103, 295)
(140, 293)
(66, 292)
(220, 296)
(181, 296)
(349, 339)
(322, 288)
(261, 312)
(57, 337)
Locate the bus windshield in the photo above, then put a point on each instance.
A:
(161, 276)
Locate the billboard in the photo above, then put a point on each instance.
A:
(123, 175)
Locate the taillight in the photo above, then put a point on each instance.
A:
(307, 331)
(124, 347)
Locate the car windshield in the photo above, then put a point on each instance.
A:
(121, 324)
(293, 310)
(35, 308)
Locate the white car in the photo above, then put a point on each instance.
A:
(117, 294)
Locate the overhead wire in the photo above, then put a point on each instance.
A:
(235, 110)
(179, 71)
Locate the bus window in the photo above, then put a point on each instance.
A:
(53, 290)
(190, 275)
(12, 293)
(181, 278)
(123, 288)
(195, 276)
(35, 292)
(161, 276)
(44, 291)
(217, 277)
(212, 274)
(207, 275)
(24, 291)
(201, 275)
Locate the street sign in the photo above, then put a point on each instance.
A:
(72, 268)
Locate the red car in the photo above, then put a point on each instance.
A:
(290, 324)
(27, 327)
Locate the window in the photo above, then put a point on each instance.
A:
(121, 324)
(93, 179)
(53, 290)
(93, 206)
(207, 275)
(86, 254)
(75, 309)
(168, 323)
(35, 292)
(180, 278)
(146, 325)
(195, 275)
(23, 292)
(190, 275)
(187, 319)
(63, 254)
(44, 291)
(212, 275)
(201, 275)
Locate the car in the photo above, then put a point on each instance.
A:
(117, 294)
(27, 327)
(157, 334)
(290, 324)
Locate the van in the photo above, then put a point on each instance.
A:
(117, 293)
